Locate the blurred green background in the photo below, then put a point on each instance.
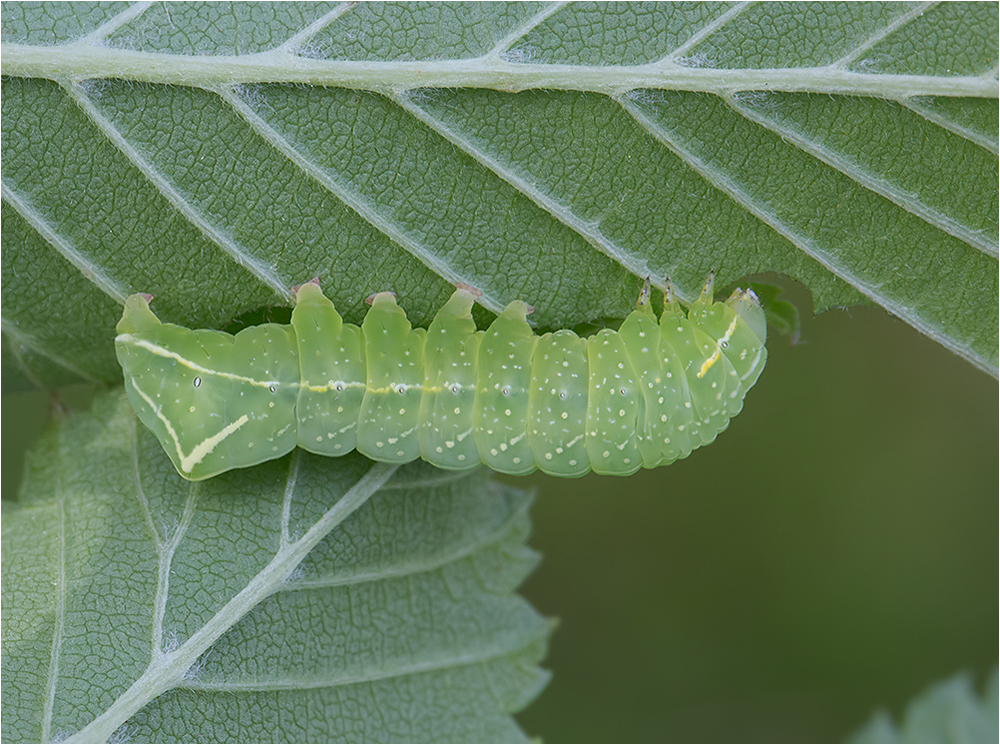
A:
(834, 550)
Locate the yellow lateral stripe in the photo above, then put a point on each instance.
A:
(200, 450)
(707, 364)
(163, 352)
(332, 385)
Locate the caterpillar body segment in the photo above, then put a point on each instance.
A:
(394, 359)
(504, 374)
(645, 395)
(332, 379)
(448, 406)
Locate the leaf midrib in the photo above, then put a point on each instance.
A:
(87, 57)
(81, 61)
(167, 669)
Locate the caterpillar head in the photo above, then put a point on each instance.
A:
(747, 305)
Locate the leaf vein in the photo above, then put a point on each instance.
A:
(167, 670)
(33, 344)
(588, 231)
(894, 25)
(216, 235)
(140, 492)
(294, 42)
(447, 663)
(79, 63)
(61, 244)
(166, 558)
(673, 57)
(416, 567)
(352, 199)
(807, 245)
(286, 505)
(505, 43)
(15, 348)
(883, 187)
(928, 113)
(60, 613)
(107, 28)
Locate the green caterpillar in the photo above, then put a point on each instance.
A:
(644, 395)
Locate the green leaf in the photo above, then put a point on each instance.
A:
(216, 154)
(309, 599)
(949, 711)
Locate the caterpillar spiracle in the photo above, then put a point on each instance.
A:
(642, 396)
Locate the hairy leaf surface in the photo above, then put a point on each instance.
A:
(140, 605)
(216, 154)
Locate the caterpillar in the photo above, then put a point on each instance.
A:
(642, 396)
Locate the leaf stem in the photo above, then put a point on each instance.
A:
(80, 61)
(168, 669)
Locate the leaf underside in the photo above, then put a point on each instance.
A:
(216, 154)
(949, 711)
(118, 575)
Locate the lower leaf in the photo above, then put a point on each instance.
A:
(307, 599)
